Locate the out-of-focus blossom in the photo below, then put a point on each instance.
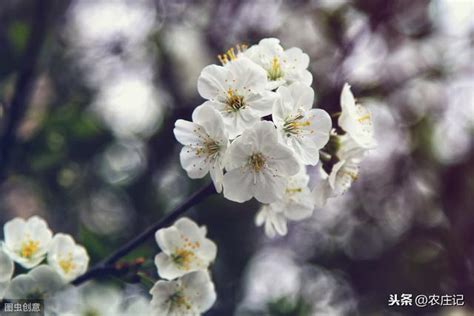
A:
(185, 249)
(283, 67)
(191, 294)
(7, 268)
(40, 283)
(237, 90)
(27, 241)
(205, 141)
(257, 165)
(303, 129)
(67, 258)
(356, 119)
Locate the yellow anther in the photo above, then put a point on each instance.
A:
(230, 55)
(67, 264)
(275, 72)
(183, 258)
(29, 248)
(364, 118)
(234, 102)
(257, 162)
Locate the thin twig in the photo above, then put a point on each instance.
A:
(107, 265)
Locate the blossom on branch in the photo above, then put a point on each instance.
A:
(205, 141)
(303, 129)
(185, 249)
(27, 241)
(283, 67)
(237, 91)
(67, 258)
(258, 165)
(192, 294)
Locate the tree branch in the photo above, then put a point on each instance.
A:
(108, 264)
(24, 82)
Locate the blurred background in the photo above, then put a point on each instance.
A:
(86, 142)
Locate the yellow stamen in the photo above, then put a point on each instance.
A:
(234, 101)
(29, 248)
(183, 258)
(257, 162)
(294, 125)
(179, 300)
(364, 118)
(275, 72)
(67, 264)
(293, 190)
(230, 55)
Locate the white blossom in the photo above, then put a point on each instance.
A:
(258, 165)
(205, 141)
(67, 258)
(356, 120)
(7, 268)
(237, 91)
(346, 170)
(185, 248)
(296, 203)
(40, 283)
(192, 294)
(27, 241)
(303, 129)
(283, 67)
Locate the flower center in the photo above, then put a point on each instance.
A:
(364, 118)
(294, 125)
(257, 162)
(275, 72)
(67, 264)
(29, 248)
(209, 148)
(234, 101)
(183, 258)
(178, 300)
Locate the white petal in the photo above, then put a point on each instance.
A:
(196, 165)
(199, 289)
(169, 239)
(167, 269)
(238, 185)
(302, 96)
(189, 229)
(211, 81)
(268, 187)
(14, 231)
(185, 132)
(6, 267)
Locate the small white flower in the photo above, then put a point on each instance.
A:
(7, 267)
(40, 283)
(258, 165)
(27, 241)
(356, 119)
(205, 141)
(273, 219)
(67, 258)
(185, 248)
(296, 203)
(303, 129)
(283, 67)
(237, 91)
(346, 170)
(192, 295)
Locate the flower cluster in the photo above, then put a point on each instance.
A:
(183, 263)
(28, 243)
(257, 134)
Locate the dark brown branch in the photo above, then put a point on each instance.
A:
(24, 82)
(107, 266)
